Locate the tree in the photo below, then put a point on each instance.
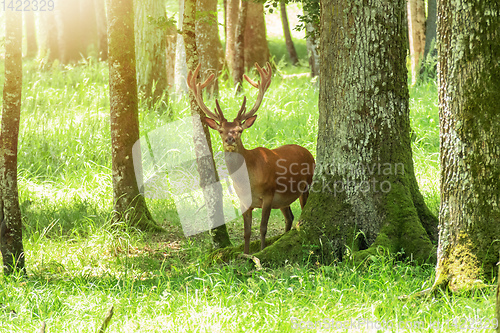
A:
(208, 43)
(102, 29)
(364, 195)
(70, 32)
(11, 231)
(309, 22)
(49, 46)
(206, 167)
(129, 204)
(150, 46)
(288, 37)
(469, 82)
(239, 46)
(430, 27)
(29, 24)
(416, 24)
(180, 57)
(232, 13)
(256, 48)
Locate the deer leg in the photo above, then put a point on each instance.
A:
(287, 213)
(247, 224)
(266, 211)
(303, 199)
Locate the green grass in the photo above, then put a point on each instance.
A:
(78, 266)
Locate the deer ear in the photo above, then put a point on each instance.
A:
(249, 122)
(211, 123)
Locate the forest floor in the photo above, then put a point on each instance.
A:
(78, 265)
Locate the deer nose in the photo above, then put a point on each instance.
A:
(230, 140)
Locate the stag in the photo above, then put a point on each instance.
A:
(277, 177)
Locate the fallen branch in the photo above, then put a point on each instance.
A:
(106, 321)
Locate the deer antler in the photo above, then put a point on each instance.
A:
(265, 76)
(197, 88)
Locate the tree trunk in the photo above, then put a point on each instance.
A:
(171, 53)
(181, 87)
(239, 49)
(364, 195)
(232, 13)
(430, 27)
(312, 39)
(129, 204)
(29, 23)
(102, 29)
(208, 44)
(256, 49)
(88, 28)
(70, 32)
(209, 179)
(150, 50)
(288, 36)
(416, 25)
(11, 227)
(469, 87)
(49, 43)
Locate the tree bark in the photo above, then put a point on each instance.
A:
(129, 204)
(239, 48)
(232, 13)
(49, 42)
(29, 23)
(469, 87)
(256, 48)
(150, 50)
(416, 25)
(430, 27)
(11, 227)
(209, 179)
(364, 195)
(294, 59)
(181, 87)
(102, 29)
(208, 44)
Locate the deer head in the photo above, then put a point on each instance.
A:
(230, 131)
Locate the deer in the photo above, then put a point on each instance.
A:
(277, 177)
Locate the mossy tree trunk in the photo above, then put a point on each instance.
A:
(209, 179)
(129, 204)
(11, 227)
(416, 25)
(364, 195)
(150, 50)
(208, 44)
(469, 89)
